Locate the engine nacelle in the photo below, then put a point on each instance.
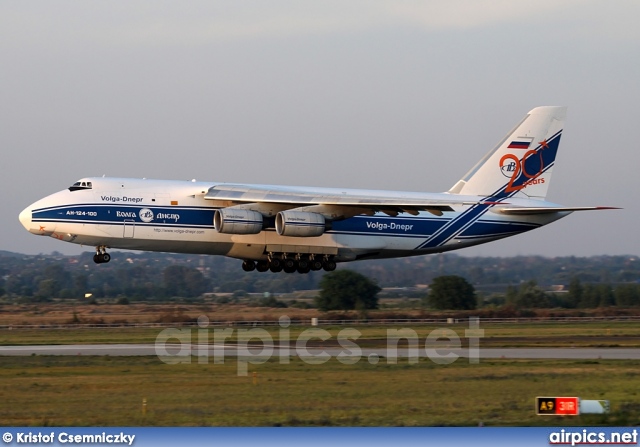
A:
(235, 221)
(298, 223)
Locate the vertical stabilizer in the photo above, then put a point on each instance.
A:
(522, 163)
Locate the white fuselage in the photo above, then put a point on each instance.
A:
(174, 216)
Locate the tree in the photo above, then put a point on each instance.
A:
(531, 295)
(347, 290)
(511, 295)
(607, 297)
(575, 292)
(590, 297)
(184, 281)
(47, 288)
(627, 295)
(451, 292)
(80, 284)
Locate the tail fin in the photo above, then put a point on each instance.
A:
(521, 164)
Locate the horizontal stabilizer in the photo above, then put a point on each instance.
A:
(549, 210)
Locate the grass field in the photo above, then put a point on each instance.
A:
(109, 391)
(610, 334)
(106, 391)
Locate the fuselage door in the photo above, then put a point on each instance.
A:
(129, 227)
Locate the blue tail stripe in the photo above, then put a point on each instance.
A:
(537, 165)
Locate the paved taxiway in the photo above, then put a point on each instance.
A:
(333, 351)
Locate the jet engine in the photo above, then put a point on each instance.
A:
(237, 221)
(298, 223)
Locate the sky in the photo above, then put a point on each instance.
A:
(399, 94)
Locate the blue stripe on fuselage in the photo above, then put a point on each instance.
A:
(113, 214)
(418, 226)
(493, 228)
(435, 229)
(455, 226)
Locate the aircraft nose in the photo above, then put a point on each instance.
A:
(41, 229)
(25, 218)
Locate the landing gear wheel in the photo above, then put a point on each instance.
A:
(275, 265)
(101, 255)
(290, 265)
(316, 265)
(262, 266)
(329, 265)
(304, 266)
(248, 266)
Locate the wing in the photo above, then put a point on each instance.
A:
(332, 202)
(549, 210)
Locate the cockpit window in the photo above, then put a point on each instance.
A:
(80, 185)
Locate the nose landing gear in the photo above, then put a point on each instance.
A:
(101, 255)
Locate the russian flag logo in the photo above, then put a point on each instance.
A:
(519, 145)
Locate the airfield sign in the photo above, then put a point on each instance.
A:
(562, 406)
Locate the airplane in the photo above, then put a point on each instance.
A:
(287, 228)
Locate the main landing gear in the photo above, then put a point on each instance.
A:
(101, 255)
(290, 263)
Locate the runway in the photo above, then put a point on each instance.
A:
(211, 350)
